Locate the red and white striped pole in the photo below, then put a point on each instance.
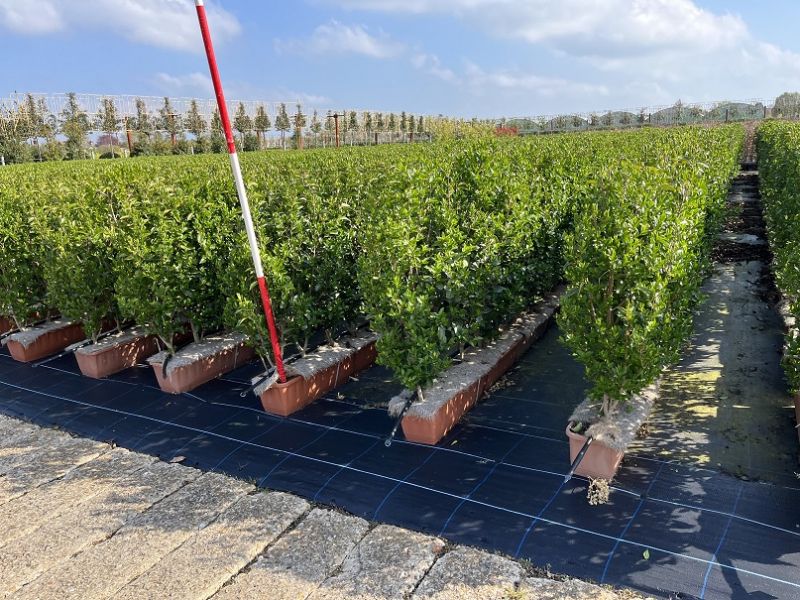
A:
(240, 190)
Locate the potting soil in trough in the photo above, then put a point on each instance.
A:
(670, 529)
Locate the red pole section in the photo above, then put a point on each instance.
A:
(240, 190)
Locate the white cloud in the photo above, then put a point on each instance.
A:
(645, 51)
(191, 84)
(431, 64)
(164, 23)
(514, 80)
(338, 38)
(32, 18)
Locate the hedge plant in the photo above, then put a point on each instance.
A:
(80, 251)
(22, 287)
(779, 174)
(637, 256)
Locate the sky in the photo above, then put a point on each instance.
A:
(484, 58)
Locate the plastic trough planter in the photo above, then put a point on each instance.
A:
(316, 374)
(116, 353)
(459, 388)
(611, 435)
(200, 362)
(43, 340)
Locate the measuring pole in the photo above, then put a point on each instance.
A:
(240, 190)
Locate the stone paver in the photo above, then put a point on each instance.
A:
(46, 464)
(301, 560)
(469, 573)
(539, 588)
(87, 524)
(23, 515)
(387, 563)
(204, 563)
(18, 446)
(123, 525)
(104, 568)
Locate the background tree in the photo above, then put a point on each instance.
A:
(33, 122)
(196, 125)
(316, 126)
(242, 122)
(392, 125)
(330, 126)
(261, 124)
(420, 125)
(74, 126)
(404, 123)
(352, 125)
(787, 106)
(366, 121)
(143, 127)
(299, 125)
(170, 122)
(282, 123)
(216, 137)
(108, 121)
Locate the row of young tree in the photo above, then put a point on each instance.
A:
(31, 132)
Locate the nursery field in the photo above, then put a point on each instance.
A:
(443, 263)
(437, 247)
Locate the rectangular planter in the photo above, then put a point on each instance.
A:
(44, 340)
(599, 462)
(200, 362)
(317, 374)
(460, 387)
(115, 353)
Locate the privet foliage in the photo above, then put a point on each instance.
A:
(637, 254)
(79, 252)
(22, 288)
(439, 246)
(779, 174)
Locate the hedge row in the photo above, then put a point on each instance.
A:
(439, 246)
(779, 173)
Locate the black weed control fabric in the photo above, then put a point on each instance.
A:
(495, 482)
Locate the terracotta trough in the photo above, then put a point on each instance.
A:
(460, 387)
(611, 434)
(116, 353)
(316, 374)
(43, 340)
(200, 362)
(599, 462)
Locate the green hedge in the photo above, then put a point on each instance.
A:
(439, 246)
(778, 145)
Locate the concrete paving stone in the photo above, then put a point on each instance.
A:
(539, 588)
(88, 523)
(198, 568)
(18, 446)
(388, 563)
(13, 429)
(106, 567)
(470, 573)
(23, 515)
(48, 463)
(300, 560)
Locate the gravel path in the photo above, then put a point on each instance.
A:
(80, 519)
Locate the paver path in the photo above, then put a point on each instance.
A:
(91, 521)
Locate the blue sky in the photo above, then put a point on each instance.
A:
(457, 57)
